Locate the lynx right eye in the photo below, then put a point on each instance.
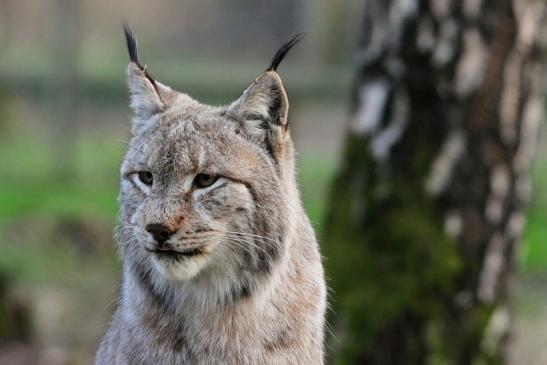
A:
(205, 180)
(146, 177)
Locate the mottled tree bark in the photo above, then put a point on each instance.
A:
(428, 207)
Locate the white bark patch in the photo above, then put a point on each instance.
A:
(425, 39)
(453, 224)
(523, 188)
(375, 44)
(472, 8)
(510, 98)
(386, 30)
(495, 331)
(529, 15)
(500, 180)
(532, 116)
(398, 16)
(443, 167)
(383, 141)
(445, 47)
(516, 225)
(491, 269)
(499, 189)
(494, 210)
(469, 70)
(440, 8)
(372, 100)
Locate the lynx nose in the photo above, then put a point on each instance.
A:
(160, 232)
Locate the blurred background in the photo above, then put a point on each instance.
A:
(64, 125)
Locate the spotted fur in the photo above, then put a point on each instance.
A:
(254, 293)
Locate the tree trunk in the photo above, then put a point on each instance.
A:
(427, 209)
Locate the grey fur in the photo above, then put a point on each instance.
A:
(257, 295)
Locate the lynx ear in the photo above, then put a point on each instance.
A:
(146, 94)
(263, 108)
(148, 97)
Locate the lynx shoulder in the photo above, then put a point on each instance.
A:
(220, 262)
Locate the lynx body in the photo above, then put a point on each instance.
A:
(220, 262)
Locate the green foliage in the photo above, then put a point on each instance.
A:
(363, 268)
(29, 184)
(314, 175)
(534, 250)
(34, 203)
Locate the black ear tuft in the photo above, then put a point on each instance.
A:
(133, 49)
(284, 48)
(132, 45)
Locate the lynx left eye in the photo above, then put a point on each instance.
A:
(146, 177)
(204, 180)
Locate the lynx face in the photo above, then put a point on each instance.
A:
(196, 193)
(203, 189)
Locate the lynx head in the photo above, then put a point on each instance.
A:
(206, 191)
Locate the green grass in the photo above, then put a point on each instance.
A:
(534, 250)
(314, 175)
(35, 201)
(32, 184)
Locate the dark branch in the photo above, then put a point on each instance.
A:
(284, 48)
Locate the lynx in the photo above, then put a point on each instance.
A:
(220, 262)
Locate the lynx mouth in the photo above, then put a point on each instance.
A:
(178, 254)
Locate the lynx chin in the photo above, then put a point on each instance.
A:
(220, 262)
